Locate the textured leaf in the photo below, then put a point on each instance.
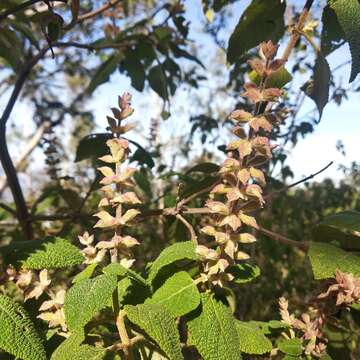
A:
(339, 227)
(213, 331)
(84, 299)
(326, 258)
(318, 88)
(179, 295)
(85, 274)
(252, 339)
(244, 273)
(290, 346)
(159, 324)
(104, 71)
(92, 146)
(332, 35)
(58, 253)
(119, 270)
(348, 15)
(175, 252)
(263, 20)
(18, 335)
(71, 349)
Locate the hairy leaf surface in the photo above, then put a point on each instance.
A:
(86, 273)
(72, 349)
(348, 15)
(119, 270)
(175, 252)
(18, 335)
(290, 346)
(252, 339)
(326, 258)
(159, 324)
(84, 299)
(213, 331)
(179, 295)
(55, 254)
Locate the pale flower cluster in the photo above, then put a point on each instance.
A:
(309, 328)
(118, 195)
(241, 189)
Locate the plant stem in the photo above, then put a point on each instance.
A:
(189, 227)
(125, 340)
(284, 240)
(297, 29)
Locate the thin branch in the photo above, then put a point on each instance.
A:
(303, 245)
(87, 46)
(98, 11)
(20, 7)
(195, 195)
(30, 146)
(305, 179)
(8, 208)
(189, 227)
(297, 30)
(10, 171)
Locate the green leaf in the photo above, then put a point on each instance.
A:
(263, 20)
(92, 146)
(173, 253)
(318, 88)
(339, 227)
(206, 167)
(84, 299)
(25, 30)
(332, 35)
(252, 339)
(244, 273)
(142, 156)
(290, 346)
(277, 79)
(72, 348)
(179, 294)
(119, 270)
(54, 254)
(213, 331)
(85, 274)
(158, 82)
(159, 324)
(11, 48)
(348, 15)
(349, 220)
(104, 71)
(18, 335)
(326, 258)
(135, 70)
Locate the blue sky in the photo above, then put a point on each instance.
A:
(311, 154)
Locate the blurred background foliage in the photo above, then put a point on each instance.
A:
(150, 43)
